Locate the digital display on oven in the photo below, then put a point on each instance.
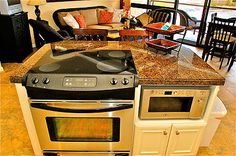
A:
(79, 81)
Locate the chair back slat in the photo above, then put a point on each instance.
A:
(220, 33)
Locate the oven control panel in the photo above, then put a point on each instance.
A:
(79, 81)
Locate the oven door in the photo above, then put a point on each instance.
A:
(84, 125)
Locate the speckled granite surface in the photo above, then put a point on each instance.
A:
(153, 68)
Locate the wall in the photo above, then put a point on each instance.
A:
(48, 9)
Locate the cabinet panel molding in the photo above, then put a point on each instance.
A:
(184, 139)
(149, 141)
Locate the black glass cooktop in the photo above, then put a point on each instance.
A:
(86, 62)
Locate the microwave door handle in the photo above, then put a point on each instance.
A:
(77, 110)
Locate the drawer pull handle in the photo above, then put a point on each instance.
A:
(165, 132)
(177, 132)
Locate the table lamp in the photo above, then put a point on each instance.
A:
(37, 3)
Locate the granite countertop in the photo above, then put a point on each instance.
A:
(153, 68)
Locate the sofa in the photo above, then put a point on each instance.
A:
(91, 16)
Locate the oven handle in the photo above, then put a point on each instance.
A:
(69, 110)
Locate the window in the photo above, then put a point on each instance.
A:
(95, 129)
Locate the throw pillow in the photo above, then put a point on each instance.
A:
(81, 21)
(144, 19)
(63, 14)
(98, 12)
(105, 17)
(90, 16)
(118, 13)
(70, 20)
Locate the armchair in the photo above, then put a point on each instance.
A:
(192, 22)
(154, 16)
(46, 34)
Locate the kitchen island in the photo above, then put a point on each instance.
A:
(154, 70)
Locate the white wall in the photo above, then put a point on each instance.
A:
(48, 9)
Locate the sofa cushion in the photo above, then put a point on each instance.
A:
(70, 20)
(81, 21)
(90, 16)
(105, 17)
(144, 19)
(99, 27)
(63, 14)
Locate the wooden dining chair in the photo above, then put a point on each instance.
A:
(218, 41)
(233, 57)
(135, 35)
(91, 34)
(224, 21)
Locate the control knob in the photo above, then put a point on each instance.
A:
(46, 81)
(125, 81)
(113, 81)
(35, 80)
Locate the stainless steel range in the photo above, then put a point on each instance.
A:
(82, 102)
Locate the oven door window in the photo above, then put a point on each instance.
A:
(170, 104)
(74, 129)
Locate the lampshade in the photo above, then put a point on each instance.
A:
(36, 2)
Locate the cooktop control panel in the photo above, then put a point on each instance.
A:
(81, 82)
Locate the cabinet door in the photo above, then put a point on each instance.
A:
(151, 140)
(185, 139)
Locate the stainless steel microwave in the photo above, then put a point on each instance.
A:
(173, 102)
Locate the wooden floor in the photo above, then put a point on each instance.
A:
(15, 141)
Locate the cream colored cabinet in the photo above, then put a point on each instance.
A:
(184, 139)
(151, 140)
(169, 140)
